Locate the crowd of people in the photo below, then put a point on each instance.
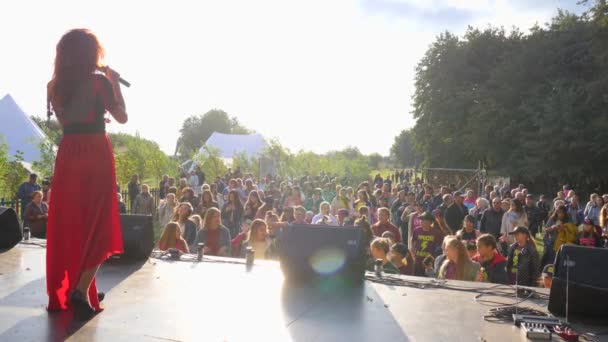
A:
(414, 228)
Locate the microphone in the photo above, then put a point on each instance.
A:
(120, 79)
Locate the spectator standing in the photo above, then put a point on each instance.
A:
(559, 230)
(384, 225)
(232, 212)
(144, 202)
(426, 241)
(534, 215)
(593, 208)
(523, 262)
(576, 211)
(166, 209)
(46, 191)
(456, 212)
(133, 190)
(162, 187)
(36, 216)
(515, 217)
(122, 207)
(26, 191)
(589, 236)
(491, 220)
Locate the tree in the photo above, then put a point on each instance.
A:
(528, 105)
(403, 150)
(375, 159)
(211, 162)
(198, 128)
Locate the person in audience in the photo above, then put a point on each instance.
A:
(252, 205)
(46, 191)
(379, 249)
(343, 216)
(324, 211)
(368, 234)
(182, 218)
(232, 212)
(213, 234)
(198, 221)
(122, 207)
(36, 214)
(144, 202)
(515, 217)
(299, 215)
(458, 265)
(166, 209)
(470, 200)
(171, 237)
(288, 215)
(559, 230)
(259, 240)
(401, 257)
(494, 265)
(207, 201)
(308, 216)
(468, 233)
(547, 276)
(363, 200)
(188, 196)
(426, 241)
(438, 261)
(481, 205)
(588, 236)
(389, 236)
(236, 243)
(134, 189)
(313, 203)
(26, 191)
(384, 225)
(593, 208)
(428, 262)
(491, 220)
(456, 212)
(523, 263)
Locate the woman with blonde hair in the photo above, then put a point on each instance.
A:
(166, 209)
(341, 201)
(458, 265)
(213, 234)
(171, 237)
(259, 240)
(182, 218)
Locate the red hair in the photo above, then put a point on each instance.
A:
(79, 53)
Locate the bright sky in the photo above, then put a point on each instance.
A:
(316, 74)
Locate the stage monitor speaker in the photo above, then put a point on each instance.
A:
(580, 278)
(10, 230)
(311, 252)
(137, 236)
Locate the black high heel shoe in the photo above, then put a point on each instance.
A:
(100, 296)
(82, 310)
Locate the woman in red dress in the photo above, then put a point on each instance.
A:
(84, 223)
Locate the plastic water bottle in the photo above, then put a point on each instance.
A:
(26, 233)
(250, 255)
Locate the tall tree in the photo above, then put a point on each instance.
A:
(198, 128)
(403, 151)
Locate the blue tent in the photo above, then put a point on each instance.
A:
(19, 131)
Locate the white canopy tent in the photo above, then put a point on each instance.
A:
(19, 131)
(229, 145)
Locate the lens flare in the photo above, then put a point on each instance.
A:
(327, 260)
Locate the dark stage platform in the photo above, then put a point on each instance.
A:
(217, 300)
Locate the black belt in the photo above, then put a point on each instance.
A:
(84, 129)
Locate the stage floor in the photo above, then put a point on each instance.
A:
(160, 300)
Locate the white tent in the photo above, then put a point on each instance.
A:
(230, 145)
(19, 131)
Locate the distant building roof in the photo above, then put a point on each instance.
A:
(19, 131)
(230, 145)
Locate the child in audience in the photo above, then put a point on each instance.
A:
(588, 236)
(171, 237)
(547, 277)
(379, 249)
(523, 263)
(401, 257)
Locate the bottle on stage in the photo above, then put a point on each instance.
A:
(26, 233)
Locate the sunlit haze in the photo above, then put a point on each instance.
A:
(316, 75)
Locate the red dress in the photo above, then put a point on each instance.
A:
(84, 223)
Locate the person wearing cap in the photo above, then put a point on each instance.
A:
(523, 263)
(547, 276)
(426, 240)
(588, 236)
(456, 212)
(26, 190)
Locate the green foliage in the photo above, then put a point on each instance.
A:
(211, 162)
(531, 106)
(136, 155)
(403, 151)
(348, 163)
(198, 128)
(13, 173)
(249, 164)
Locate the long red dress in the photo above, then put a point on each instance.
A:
(84, 223)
